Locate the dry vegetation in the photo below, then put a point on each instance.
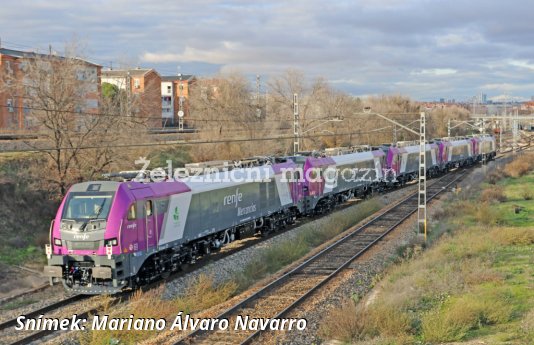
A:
(222, 108)
(494, 194)
(203, 294)
(521, 166)
(474, 283)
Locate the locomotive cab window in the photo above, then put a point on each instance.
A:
(148, 208)
(87, 205)
(131, 212)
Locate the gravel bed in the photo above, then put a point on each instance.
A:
(9, 335)
(226, 268)
(359, 281)
(42, 299)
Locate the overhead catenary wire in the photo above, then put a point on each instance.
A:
(187, 143)
(86, 113)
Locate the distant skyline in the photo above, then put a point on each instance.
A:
(426, 50)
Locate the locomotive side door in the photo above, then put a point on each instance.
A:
(150, 223)
(144, 222)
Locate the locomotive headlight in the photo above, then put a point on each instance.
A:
(111, 242)
(57, 242)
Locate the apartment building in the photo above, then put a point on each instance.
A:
(15, 108)
(175, 98)
(143, 87)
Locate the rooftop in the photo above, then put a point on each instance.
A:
(187, 77)
(124, 72)
(33, 55)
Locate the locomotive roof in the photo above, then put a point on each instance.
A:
(95, 186)
(357, 157)
(234, 177)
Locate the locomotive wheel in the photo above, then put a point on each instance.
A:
(207, 249)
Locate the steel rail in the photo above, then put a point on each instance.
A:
(447, 179)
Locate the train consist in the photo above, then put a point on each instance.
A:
(109, 235)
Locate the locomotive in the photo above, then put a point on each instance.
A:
(108, 236)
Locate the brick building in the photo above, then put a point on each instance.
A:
(175, 97)
(143, 88)
(14, 110)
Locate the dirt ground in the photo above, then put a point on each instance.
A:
(17, 280)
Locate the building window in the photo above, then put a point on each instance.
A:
(80, 75)
(91, 103)
(10, 106)
(137, 83)
(169, 88)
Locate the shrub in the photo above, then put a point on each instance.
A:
(202, 293)
(495, 176)
(486, 215)
(527, 325)
(347, 323)
(388, 320)
(495, 193)
(519, 167)
(513, 236)
(527, 195)
(459, 315)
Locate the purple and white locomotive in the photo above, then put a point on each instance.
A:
(108, 235)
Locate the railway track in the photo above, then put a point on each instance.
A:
(277, 299)
(41, 334)
(4, 326)
(44, 310)
(37, 335)
(299, 282)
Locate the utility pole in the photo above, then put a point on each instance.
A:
(421, 208)
(394, 134)
(500, 135)
(296, 138)
(180, 103)
(128, 91)
(449, 128)
(258, 108)
(515, 128)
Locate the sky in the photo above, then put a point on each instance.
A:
(422, 49)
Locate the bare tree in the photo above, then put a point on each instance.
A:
(79, 129)
(318, 103)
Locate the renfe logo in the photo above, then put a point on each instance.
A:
(81, 237)
(233, 199)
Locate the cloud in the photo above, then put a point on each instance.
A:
(435, 72)
(424, 49)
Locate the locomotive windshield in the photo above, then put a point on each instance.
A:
(87, 206)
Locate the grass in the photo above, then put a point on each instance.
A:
(203, 294)
(18, 256)
(475, 282)
(313, 234)
(17, 304)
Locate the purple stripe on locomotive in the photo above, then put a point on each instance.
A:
(391, 162)
(313, 182)
(443, 148)
(475, 145)
(295, 186)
